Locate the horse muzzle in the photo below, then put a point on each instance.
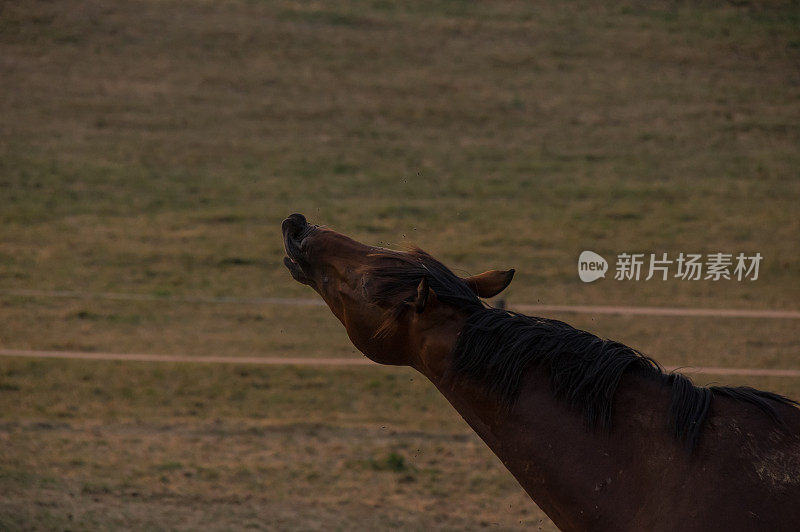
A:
(295, 229)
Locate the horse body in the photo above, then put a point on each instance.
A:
(650, 452)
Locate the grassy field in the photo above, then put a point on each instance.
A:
(153, 147)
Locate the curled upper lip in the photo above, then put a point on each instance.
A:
(292, 247)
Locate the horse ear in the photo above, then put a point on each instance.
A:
(491, 283)
(423, 292)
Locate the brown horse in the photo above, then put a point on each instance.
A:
(596, 433)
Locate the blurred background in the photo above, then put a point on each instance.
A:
(149, 150)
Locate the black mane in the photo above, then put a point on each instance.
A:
(496, 347)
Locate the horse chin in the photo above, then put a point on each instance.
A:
(297, 271)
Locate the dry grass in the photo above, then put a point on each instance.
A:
(121, 445)
(153, 147)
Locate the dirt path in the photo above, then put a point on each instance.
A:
(309, 302)
(297, 361)
(137, 357)
(662, 311)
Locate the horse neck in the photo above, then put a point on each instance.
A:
(575, 475)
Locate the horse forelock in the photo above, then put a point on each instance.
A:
(393, 280)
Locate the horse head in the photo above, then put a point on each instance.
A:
(395, 305)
